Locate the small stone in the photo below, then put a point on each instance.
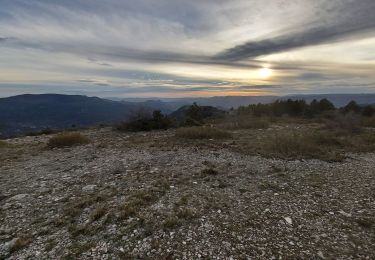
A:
(288, 220)
(320, 254)
(89, 188)
(345, 214)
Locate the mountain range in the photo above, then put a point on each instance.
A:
(31, 113)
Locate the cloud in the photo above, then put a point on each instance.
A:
(355, 18)
(97, 82)
(6, 39)
(257, 87)
(184, 46)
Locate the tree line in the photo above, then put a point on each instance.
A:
(300, 108)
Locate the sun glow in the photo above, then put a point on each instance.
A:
(265, 73)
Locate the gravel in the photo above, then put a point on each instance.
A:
(122, 198)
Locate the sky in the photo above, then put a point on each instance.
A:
(179, 48)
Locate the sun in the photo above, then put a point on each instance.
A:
(265, 73)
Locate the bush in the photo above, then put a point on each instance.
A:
(352, 107)
(202, 133)
(67, 139)
(146, 122)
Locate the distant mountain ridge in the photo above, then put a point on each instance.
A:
(31, 113)
(227, 102)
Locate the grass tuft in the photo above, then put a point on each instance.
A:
(171, 222)
(98, 213)
(209, 171)
(20, 243)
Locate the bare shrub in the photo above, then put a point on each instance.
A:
(67, 139)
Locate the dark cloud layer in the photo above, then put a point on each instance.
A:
(352, 18)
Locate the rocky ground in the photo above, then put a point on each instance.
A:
(149, 196)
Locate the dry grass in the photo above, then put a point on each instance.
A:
(368, 122)
(306, 142)
(20, 243)
(137, 201)
(202, 133)
(171, 222)
(245, 122)
(67, 139)
(185, 213)
(344, 124)
(303, 143)
(317, 145)
(209, 171)
(3, 144)
(98, 212)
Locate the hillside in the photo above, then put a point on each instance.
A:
(157, 195)
(30, 113)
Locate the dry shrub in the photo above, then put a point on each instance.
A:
(67, 139)
(202, 133)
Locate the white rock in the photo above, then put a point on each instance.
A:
(345, 214)
(18, 197)
(89, 188)
(288, 220)
(320, 254)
